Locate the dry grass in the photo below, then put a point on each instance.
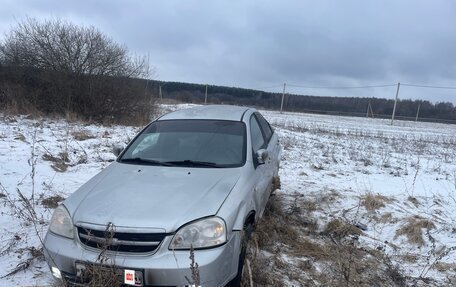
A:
(102, 272)
(444, 266)
(284, 248)
(387, 218)
(52, 201)
(59, 163)
(260, 276)
(413, 200)
(33, 253)
(194, 268)
(82, 135)
(411, 258)
(278, 233)
(274, 227)
(288, 229)
(20, 137)
(413, 229)
(327, 196)
(97, 276)
(276, 183)
(307, 248)
(309, 205)
(373, 202)
(288, 143)
(49, 157)
(340, 229)
(59, 166)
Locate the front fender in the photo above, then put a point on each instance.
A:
(239, 203)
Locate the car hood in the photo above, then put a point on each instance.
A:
(151, 197)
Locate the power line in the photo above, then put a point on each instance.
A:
(342, 87)
(269, 87)
(358, 87)
(430, 87)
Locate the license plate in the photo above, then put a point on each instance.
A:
(109, 275)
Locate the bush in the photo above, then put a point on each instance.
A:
(55, 67)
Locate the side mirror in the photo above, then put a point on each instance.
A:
(117, 149)
(262, 155)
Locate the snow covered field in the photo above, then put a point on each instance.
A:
(396, 184)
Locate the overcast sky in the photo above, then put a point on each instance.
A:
(258, 44)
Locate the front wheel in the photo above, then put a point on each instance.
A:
(246, 234)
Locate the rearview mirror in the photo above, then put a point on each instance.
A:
(262, 155)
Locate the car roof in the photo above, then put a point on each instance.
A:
(208, 112)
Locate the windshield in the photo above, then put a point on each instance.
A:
(196, 143)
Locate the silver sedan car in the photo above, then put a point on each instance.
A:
(177, 206)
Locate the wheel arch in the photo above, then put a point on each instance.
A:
(250, 218)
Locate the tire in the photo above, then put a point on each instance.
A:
(247, 233)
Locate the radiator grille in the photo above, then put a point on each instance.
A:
(121, 241)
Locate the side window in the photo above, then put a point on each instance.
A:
(265, 127)
(256, 134)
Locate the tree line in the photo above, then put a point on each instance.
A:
(355, 106)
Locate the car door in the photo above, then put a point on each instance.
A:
(263, 175)
(273, 146)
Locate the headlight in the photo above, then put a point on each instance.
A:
(61, 223)
(204, 233)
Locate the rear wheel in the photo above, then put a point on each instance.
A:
(245, 237)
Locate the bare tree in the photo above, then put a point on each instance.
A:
(64, 47)
(59, 67)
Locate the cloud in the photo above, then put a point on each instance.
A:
(263, 43)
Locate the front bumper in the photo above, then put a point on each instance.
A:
(161, 268)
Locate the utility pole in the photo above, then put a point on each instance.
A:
(367, 112)
(283, 96)
(417, 112)
(147, 75)
(395, 103)
(205, 96)
(160, 92)
(147, 85)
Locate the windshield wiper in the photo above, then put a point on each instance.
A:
(145, 161)
(188, 162)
